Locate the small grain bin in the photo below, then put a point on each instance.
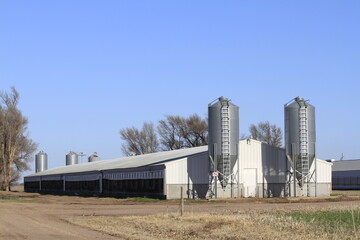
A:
(41, 162)
(94, 157)
(72, 158)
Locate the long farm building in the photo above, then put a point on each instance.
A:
(261, 171)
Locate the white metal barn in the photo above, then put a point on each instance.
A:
(263, 172)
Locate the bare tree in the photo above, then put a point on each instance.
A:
(267, 133)
(139, 142)
(16, 147)
(170, 132)
(15, 177)
(179, 132)
(196, 131)
(175, 133)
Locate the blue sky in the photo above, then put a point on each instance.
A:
(86, 69)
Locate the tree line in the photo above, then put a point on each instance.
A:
(16, 148)
(173, 132)
(176, 132)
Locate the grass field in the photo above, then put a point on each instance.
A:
(343, 223)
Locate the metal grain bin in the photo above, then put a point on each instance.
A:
(223, 137)
(93, 157)
(300, 136)
(41, 162)
(72, 158)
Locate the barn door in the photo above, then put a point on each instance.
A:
(250, 182)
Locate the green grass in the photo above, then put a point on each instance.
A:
(332, 221)
(15, 199)
(331, 199)
(337, 195)
(140, 199)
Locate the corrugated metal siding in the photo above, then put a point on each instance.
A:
(176, 172)
(346, 180)
(250, 157)
(346, 165)
(353, 173)
(52, 178)
(198, 169)
(270, 161)
(155, 174)
(82, 177)
(192, 170)
(31, 179)
(274, 164)
(323, 171)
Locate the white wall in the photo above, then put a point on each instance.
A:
(269, 161)
(192, 170)
(323, 171)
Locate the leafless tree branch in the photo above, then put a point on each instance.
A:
(137, 142)
(267, 133)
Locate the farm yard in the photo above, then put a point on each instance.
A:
(34, 216)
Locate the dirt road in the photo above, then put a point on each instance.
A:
(44, 216)
(34, 221)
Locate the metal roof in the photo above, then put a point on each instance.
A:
(126, 162)
(346, 165)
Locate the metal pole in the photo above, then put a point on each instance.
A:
(215, 170)
(238, 170)
(232, 182)
(100, 182)
(294, 167)
(315, 169)
(287, 176)
(181, 201)
(164, 183)
(231, 186)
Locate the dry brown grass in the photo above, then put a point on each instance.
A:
(348, 193)
(206, 226)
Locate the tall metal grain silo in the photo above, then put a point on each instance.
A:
(223, 137)
(94, 157)
(300, 139)
(72, 158)
(41, 162)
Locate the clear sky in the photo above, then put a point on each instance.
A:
(86, 69)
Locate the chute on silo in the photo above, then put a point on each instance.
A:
(41, 162)
(300, 140)
(223, 138)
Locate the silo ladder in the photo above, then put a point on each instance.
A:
(304, 140)
(225, 138)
